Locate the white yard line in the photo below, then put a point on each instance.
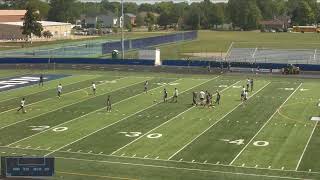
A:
(46, 99)
(145, 134)
(264, 125)
(214, 124)
(178, 168)
(122, 119)
(75, 118)
(305, 148)
(83, 89)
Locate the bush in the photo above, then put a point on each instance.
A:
(47, 34)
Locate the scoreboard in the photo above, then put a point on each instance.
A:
(27, 166)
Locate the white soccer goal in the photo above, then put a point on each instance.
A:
(152, 54)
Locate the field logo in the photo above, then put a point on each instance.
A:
(16, 82)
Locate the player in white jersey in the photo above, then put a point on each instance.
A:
(242, 92)
(175, 95)
(59, 89)
(94, 88)
(245, 95)
(22, 104)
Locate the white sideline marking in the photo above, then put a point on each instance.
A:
(305, 147)
(179, 168)
(77, 117)
(3, 152)
(264, 124)
(215, 123)
(57, 108)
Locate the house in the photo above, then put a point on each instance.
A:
(12, 15)
(109, 20)
(130, 17)
(13, 31)
(281, 22)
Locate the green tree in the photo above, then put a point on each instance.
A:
(192, 18)
(303, 14)
(150, 19)
(64, 10)
(31, 26)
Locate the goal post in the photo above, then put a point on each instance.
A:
(151, 54)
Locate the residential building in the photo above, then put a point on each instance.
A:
(12, 15)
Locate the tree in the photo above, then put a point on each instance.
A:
(303, 12)
(31, 26)
(244, 13)
(217, 16)
(47, 34)
(150, 19)
(192, 17)
(41, 6)
(64, 10)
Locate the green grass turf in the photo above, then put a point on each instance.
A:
(86, 142)
(220, 41)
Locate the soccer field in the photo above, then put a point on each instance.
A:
(269, 136)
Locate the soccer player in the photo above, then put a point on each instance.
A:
(59, 89)
(202, 95)
(207, 98)
(146, 87)
(94, 88)
(218, 98)
(175, 95)
(248, 84)
(251, 84)
(108, 104)
(41, 80)
(245, 95)
(194, 98)
(242, 93)
(165, 95)
(22, 103)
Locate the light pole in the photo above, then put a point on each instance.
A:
(122, 35)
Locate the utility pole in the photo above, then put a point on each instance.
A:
(122, 35)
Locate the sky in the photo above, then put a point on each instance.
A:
(154, 1)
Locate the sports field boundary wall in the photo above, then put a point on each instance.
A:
(141, 62)
(148, 42)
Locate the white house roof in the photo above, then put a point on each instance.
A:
(44, 23)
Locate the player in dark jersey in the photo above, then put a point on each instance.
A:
(218, 98)
(41, 80)
(165, 95)
(109, 104)
(251, 84)
(146, 87)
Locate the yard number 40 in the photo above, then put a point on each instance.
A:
(256, 143)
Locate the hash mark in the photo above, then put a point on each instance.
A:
(100, 152)
(79, 151)
(90, 152)
(123, 154)
(134, 155)
(218, 162)
(309, 170)
(69, 150)
(3, 152)
(269, 167)
(205, 161)
(180, 159)
(145, 156)
(192, 161)
(282, 168)
(28, 147)
(157, 157)
(243, 164)
(256, 166)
